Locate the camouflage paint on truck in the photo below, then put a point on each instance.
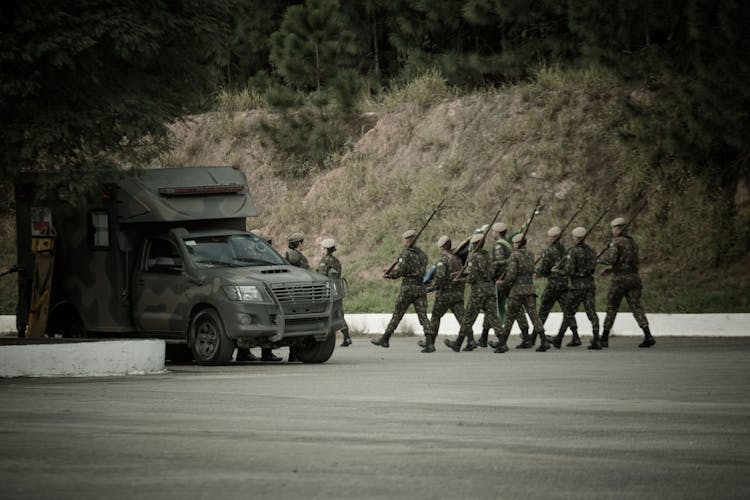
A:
(136, 258)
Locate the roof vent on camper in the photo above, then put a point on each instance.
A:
(197, 190)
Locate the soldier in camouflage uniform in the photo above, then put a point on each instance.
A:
(483, 297)
(293, 254)
(522, 296)
(501, 251)
(449, 294)
(411, 266)
(557, 284)
(622, 255)
(579, 266)
(330, 266)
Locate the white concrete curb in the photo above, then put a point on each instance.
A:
(676, 325)
(83, 359)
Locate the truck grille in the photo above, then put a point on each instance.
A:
(296, 293)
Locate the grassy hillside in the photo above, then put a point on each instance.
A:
(559, 137)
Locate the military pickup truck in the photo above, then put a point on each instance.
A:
(163, 253)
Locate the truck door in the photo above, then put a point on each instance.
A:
(159, 289)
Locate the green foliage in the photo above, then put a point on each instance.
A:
(88, 83)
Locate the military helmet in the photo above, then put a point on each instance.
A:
(620, 221)
(579, 232)
(554, 231)
(499, 227)
(443, 240)
(296, 237)
(409, 234)
(477, 237)
(518, 238)
(328, 243)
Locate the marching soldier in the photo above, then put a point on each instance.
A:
(411, 267)
(622, 256)
(557, 284)
(579, 266)
(483, 297)
(501, 251)
(522, 296)
(330, 266)
(293, 254)
(449, 294)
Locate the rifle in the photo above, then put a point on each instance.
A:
(537, 208)
(481, 242)
(632, 218)
(561, 261)
(562, 231)
(417, 235)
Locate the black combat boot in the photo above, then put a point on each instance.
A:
(422, 342)
(266, 354)
(244, 355)
(575, 341)
(543, 342)
(483, 337)
(527, 341)
(502, 344)
(429, 343)
(605, 339)
(347, 339)
(595, 344)
(382, 341)
(455, 344)
(471, 344)
(648, 339)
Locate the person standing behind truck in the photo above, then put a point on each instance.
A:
(331, 266)
(293, 254)
(244, 354)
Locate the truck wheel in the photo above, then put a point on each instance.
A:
(312, 351)
(211, 346)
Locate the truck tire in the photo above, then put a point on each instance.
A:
(312, 351)
(210, 343)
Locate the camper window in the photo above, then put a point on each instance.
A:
(99, 229)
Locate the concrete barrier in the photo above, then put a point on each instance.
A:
(82, 359)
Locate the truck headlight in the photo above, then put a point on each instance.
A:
(243, 293)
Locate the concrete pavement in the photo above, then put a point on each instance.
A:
(668, 422)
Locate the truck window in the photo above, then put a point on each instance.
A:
(162, 257)
(231, 251)
(99, 229)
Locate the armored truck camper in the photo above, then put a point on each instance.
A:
(164, 253)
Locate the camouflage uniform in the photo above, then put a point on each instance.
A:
(557, 289)
(500, 254)
(449, 294)
(411, 266)
(330, 266)
(622, 255)
(483, 298)
(522, 296)
(580, 265)
(296, 258)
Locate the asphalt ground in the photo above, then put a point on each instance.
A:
(668, 422)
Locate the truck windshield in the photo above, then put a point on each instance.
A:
(236, 250)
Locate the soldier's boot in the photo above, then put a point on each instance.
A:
(266, 354)
(604, 341)
(575, 341)
(544, 344)
(595, 344)
(557, 339)
(482, 342)
(244, 355)
(648, 339)
(471, 344)
(347, 339)
(382, 341)
(455, 344)
(527, 341)
(429, 343)
(422, 342)
(501, 345)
